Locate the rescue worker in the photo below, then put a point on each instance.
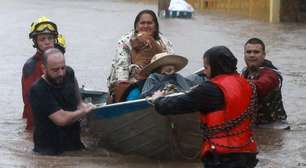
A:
(44, 35)
(268, 81)
(227, 103)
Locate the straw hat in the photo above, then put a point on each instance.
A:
(165, 58)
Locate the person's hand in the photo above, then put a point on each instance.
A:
(119, 82)
(157, 94)
(138, 74)
(146, 39)
(86, 107)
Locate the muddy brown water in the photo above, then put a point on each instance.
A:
(92, 28)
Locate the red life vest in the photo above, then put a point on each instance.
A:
(238, 138)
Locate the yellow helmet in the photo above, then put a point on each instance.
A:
(43, 25)
(61, 43)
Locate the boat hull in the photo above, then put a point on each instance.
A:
(145, 132)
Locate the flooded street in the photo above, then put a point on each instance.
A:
(92, 28)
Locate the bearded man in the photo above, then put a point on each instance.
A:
(57, 107)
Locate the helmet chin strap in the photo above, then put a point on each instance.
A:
(35, 45)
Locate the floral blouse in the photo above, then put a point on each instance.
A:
(121, 65)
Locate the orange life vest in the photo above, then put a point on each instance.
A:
(229, 128)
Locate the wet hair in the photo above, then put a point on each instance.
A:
(221, 60)
(256, 41)
(150, 12)
(48, 52)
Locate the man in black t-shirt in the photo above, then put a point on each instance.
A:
(57, 107)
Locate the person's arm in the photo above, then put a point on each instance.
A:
(151, 85)
(44, 104)
(26, 83)
(204, 98)
(77, 91)
(167, 44)
(266, 82)
(121, 62)
(26, 80)
(140, 41)
(29, 76)
(63, 118)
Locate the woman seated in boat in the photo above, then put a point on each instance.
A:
(134, 51)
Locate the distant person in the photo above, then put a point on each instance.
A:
(57, 107)
(268, 81)
(163, 74)
(43, 34)
(134, 51)
(226, 103)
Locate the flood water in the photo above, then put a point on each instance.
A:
(92, 28)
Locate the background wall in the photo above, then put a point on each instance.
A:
(258, 9)
(293, 11)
